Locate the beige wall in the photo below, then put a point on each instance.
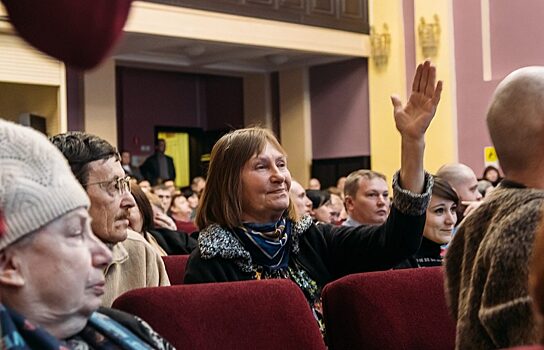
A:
(100, 109)
(41, 100)
(295, 122)
(257, 100)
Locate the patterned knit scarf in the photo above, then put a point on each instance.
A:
(267, 243)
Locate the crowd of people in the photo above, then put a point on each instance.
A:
(79, 225)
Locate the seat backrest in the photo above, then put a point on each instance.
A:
(395, 309)
(175, 267)
(268, 314)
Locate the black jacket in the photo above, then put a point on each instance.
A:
(326, 252)
(150, 169)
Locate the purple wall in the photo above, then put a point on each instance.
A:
(149, 98)
(517, 35)
(339, 104)
(473, 93)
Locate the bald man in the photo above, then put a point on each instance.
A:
(463, 180)
(487, 261)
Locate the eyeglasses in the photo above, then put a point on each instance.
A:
(120, 185)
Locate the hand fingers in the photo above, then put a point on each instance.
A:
(417, 78)
(424, 76)
(437, 93)
(430, 83)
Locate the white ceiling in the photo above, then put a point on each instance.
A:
(162, 52)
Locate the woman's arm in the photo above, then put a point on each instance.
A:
(412, 121)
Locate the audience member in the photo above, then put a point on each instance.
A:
(367, 198)
(192, 198)
(96, 165)
(160, 218)
(170, 242)
(51, 263)
(488, 258)
(198, 184)
(322, 207)
(492, 175)
(250, 229)
(170, 185)
(314, 184)
(463, 180)
(301, 202)
(158, 167)
(338, 207)
(484, 187)
(165, 195)
(145, 185)
(181, 212)
(126, 163)
(141, 218)
(441, 219)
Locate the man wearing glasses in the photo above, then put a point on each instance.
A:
(96, 164)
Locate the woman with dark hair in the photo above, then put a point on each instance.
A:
(142, 220)
(322, 207)
(250, 230)
(141, 217)
(492, 175)
(441, 218)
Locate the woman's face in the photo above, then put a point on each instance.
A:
(326, 213)
(492, 175)
(193, 201)
(62, 268)
(265, 186)
(441, 219)
(135, 219)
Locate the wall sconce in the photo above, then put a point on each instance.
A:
(429, 36)
(380, 46)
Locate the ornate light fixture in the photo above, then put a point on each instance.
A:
(429, 36)
(380, 46)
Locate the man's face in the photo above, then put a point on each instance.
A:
(166, 198)
(125, 158)
(371, 203)
(303, 204)
(109, 206)
(161, 146)
(467, 188)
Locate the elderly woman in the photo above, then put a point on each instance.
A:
(441, 219)
(250, 229)
(51, 263)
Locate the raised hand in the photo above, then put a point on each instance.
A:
(413, 119)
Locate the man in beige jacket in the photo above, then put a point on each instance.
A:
(96, 164)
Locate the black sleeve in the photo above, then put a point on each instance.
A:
(174, 242)
(139, 327)
(372, 248)
(217, 269)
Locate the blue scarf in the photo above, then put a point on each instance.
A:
(267, 243)
(101, 332)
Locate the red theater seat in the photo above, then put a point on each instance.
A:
(175, 267)
(271, 314)
(395, 309)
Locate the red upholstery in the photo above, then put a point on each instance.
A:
(270, 314)
(395, 309)
(175, 267)
(78, 32)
